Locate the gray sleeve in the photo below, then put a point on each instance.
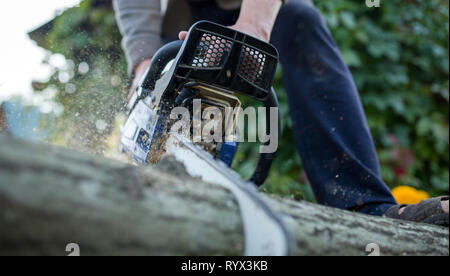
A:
(139, 23)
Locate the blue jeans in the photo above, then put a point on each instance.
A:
(331, 132)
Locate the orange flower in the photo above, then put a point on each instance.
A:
(409, 195)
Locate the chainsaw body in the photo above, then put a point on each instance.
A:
(209, 67)
(213, 64)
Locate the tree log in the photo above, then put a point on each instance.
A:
(52, 196)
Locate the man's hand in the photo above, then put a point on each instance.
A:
(243, 27)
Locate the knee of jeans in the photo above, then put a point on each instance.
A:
(301, 18)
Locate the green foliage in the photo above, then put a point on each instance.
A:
(398, 54)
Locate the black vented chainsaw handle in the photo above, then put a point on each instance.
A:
(265, 159)
(231, 72)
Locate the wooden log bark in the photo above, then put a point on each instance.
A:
(50, 197)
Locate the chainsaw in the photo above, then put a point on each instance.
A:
(208, 70)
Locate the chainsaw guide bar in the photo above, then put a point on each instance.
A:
(265, 233)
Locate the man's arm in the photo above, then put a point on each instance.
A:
(140, 23)
(257, 18)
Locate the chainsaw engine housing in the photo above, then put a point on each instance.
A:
(212, 64)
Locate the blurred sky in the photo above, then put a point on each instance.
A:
(20, 57)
